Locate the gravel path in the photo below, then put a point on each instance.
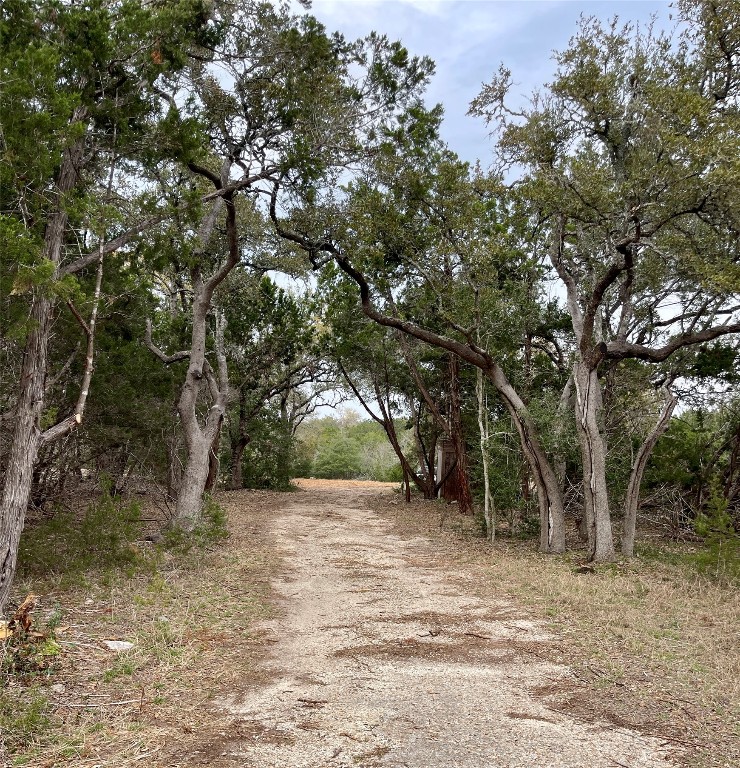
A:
(383, 656)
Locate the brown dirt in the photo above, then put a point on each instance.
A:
(337, 628)
(384, 655)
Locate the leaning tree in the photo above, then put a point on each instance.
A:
(629, 170)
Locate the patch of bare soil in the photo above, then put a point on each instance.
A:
(384, 654)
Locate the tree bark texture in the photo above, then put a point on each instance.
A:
(239, 443)
(632, 502)
(25, 443)
(593, 452)
(27, 436)
(199, 439)
(213, 462)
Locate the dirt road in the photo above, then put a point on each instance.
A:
(383, 656)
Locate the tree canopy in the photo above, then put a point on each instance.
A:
(212, 217)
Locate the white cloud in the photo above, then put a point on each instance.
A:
(468, 39)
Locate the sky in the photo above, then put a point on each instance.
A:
(469, 39)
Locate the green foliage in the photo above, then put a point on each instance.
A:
(214, 523)
(718, 361)
(338, 457)
(267, 460)
(71, 543)
(25, 715)
(720, 557)
(346, 448)
(695, 458)
(714, 522)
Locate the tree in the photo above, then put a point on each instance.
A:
(78, 83)
(629, 161)
(377, 367)
(273, 349)
(420, 218)
(297, 107)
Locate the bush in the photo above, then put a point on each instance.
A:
(101, 537)
(721, 557)
(338, 459)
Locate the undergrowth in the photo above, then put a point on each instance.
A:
(24, 717)
(211, 529)
(93, 550)
(100, 536)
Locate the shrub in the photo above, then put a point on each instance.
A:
(102, 536)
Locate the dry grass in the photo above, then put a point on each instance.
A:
(308, 483)
(189, 621)
(654, 646)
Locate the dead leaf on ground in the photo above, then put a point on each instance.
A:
(22, 617)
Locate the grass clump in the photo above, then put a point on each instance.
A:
(24, 718)
(211, 529)
(26, 656)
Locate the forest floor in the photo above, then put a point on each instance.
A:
(339, 627)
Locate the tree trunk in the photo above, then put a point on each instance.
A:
(425, 481)
(194, 476)
(199, 439)
(239, 443)
(632, 501)
(489, 513)
(465, 499)
(235, 470)
(549, 495)
(174, 465)
(27, 437)
(25, 442)
(565, 406)
(593, 452)
(213, 463)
